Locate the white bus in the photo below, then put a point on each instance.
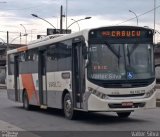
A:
(107, 69)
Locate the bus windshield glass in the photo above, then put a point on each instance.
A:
(119, 60)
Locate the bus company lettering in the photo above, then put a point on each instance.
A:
(55, 84)
(106, 76)
(121, 33)
(99, 67)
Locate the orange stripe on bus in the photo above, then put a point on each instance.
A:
(28, 84)
(22, 48)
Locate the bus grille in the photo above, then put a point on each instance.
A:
(118, 85)
(135, 105)
(127, 95)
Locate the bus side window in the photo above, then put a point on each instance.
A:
(51, 59)
(22, 57)
(64, 56)
(11, 64)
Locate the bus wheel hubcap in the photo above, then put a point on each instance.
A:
(68, 107)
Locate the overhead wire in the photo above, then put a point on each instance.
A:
(139, 15)
(28, 8)
(115, 24)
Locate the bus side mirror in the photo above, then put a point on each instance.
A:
(85, 49)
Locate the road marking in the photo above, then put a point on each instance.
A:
(7, 129)
(7, 126)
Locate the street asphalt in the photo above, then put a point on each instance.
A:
(53, 120)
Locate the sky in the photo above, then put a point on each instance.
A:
(102, 13)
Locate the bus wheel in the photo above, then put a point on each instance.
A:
(123, 114)
(26, 101)
(68, 107)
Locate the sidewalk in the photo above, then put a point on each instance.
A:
(9, 130)
(5, 126)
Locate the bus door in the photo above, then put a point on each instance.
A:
(16, 78)
(42, 78)
(77, 74)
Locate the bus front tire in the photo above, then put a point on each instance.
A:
(123, 114)
(68, 109)
(26, 101)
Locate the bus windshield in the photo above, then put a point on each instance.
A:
(120, 61)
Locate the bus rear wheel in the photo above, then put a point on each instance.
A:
(68, 109)
(123, 114)
(26, 101)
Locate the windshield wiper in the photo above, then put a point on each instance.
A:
(114, 51)
(119, 55)
(129, 53)
(133, 49)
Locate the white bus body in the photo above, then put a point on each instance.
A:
(62, 72)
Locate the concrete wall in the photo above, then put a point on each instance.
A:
(158, 91)
(2, 75)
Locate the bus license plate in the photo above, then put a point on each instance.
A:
(127, 104)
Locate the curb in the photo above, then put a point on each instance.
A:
(10, 130)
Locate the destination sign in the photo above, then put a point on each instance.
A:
(121, 33)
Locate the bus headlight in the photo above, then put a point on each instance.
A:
(150, 93)
(97, 93)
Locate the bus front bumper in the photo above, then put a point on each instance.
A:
(97, 104)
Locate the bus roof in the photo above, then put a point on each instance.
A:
(61, 37)
(49, 40)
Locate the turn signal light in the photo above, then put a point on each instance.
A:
(97, 93)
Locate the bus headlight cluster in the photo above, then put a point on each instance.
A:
(150, 93)
(97, 93)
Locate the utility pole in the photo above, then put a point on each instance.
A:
(61, 19)
(66, 14)
(20, 37)
(154, 21)
(7, 40)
